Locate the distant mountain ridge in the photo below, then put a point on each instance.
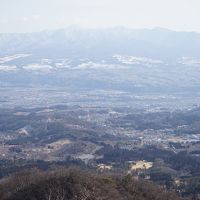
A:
(115, 58)
(79, 42)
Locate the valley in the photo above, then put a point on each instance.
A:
(164, 145)
(116, 102)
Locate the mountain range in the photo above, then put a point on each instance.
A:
(113, 58)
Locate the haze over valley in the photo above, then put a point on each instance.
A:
(106, 109)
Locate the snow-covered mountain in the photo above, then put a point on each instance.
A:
(115, 58)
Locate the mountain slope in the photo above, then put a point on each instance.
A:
(115, 59)
(74, 41)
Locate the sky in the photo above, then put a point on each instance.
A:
(37, 15)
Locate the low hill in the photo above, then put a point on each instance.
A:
(73, 184)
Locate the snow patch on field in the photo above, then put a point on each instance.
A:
(13, 57)
(93, 65)
(8, 68)
(189, 61)
(38, 67)
(130, 60)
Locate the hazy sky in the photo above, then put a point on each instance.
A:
(36, 15)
